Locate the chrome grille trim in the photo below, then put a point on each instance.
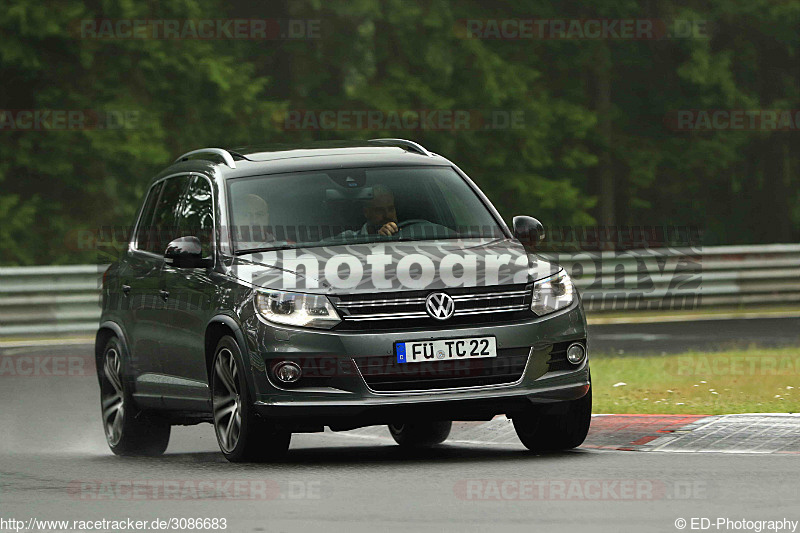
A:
(377, 303)
(386, 316)
(410, 305)
(396, 316)
(498, 309)
(514, 294)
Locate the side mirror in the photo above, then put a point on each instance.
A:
(186, 252)
(528, 230)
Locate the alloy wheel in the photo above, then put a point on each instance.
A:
(227, 400)
(113, 397)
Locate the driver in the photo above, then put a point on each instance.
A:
(380, 213)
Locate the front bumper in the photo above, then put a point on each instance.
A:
(349, 400)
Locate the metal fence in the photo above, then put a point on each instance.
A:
(59, 300)
(51, 300)
(685, 278)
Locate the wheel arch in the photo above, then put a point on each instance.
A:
(218, 327)
(107, 330)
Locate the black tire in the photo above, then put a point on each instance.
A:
(243, 436)
(128, 430)
(552, 428)
(420, 434)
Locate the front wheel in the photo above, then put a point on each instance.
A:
(555, 427)
(420, 434)
(128, 430)
(243, 436)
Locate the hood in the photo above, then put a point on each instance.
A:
(393, 266)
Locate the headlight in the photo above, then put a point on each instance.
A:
(296, 309)
(552, 293)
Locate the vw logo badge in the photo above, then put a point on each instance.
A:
(440, 305)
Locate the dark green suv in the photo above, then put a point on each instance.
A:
(275, 291)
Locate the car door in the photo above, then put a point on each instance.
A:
(191, 293)
(139, 278)
(145, 282)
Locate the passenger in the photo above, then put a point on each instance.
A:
(254, 230)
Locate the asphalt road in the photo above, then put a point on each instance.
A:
(54, 464)
(704, 335)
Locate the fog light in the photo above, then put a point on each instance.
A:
(287, 372)
(576, 354)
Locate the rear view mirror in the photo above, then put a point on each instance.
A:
(356, 193)
(528, 230)
(186, 252)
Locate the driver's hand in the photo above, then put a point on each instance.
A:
(390, 228)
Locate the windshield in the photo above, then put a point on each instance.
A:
(355, 206)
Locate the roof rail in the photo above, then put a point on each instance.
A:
(226, 155)
(403, 143)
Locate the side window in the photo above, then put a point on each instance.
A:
(143, 230)
(197, 213)
(165, 218)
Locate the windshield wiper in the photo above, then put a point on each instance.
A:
(268, 249)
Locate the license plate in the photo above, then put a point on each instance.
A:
(446, 349)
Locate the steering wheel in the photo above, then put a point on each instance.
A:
(410, 222)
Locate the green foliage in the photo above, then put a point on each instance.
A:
(589, 108)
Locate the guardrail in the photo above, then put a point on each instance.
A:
(49, 300)
(59, 300)
(685, 278)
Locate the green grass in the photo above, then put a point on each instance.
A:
(741, 381)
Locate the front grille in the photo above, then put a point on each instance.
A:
(473, 305)
(385, 374)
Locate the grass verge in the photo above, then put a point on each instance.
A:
(741, 381)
